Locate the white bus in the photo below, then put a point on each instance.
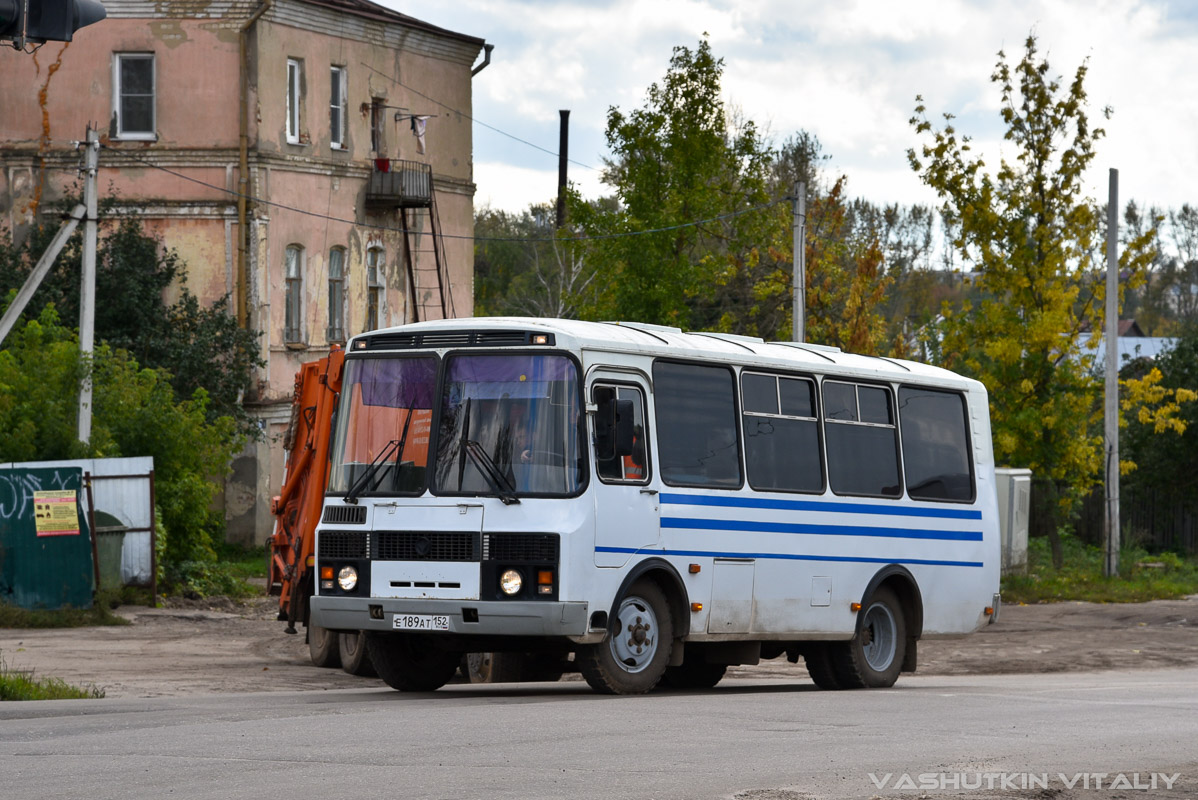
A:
(658, 504)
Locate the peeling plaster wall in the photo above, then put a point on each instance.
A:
(176, 181)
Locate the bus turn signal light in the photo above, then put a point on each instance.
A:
(696, 607)
(545, 576)
(854, 607)
(326, 573)
(694, 569)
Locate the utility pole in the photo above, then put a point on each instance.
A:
(87, 294)
(563, 150)
(1110, 566)
(799, 238)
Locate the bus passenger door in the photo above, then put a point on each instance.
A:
(626, 508)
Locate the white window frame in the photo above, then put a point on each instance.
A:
(293, 294)
(295, 74)
(338, 82)
(117, 95)
(336, 327)
(376, 265)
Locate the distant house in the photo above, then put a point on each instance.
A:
(1131, 344)
(275, 146)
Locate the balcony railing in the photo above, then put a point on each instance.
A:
(404, 184)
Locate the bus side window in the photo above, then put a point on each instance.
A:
(781, 433)
(630, 467)
(936, 455)
(697, 443)
(861, 440)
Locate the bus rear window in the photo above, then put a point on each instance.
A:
(936, 458)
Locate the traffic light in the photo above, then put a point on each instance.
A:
(37, 21)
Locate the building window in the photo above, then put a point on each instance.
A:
(133, 95)
(375, 268)
(295, 75)
(336, 332)
(294, 296)
(337, 86)
(377, 109)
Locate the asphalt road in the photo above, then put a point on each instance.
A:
(749, 739)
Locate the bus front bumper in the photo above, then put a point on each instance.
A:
(468, 617)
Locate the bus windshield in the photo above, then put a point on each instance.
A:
(509, 426)
(380, 445)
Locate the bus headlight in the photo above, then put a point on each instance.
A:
(347, 579)
(511, 582)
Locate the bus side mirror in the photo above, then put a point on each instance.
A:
(613, 424)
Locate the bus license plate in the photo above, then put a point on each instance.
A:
(420, 622)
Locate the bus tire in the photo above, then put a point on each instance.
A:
(873, 658)
(323, 647)
(354, 658)
(818, 658)
(694, 674)
(410, 662)
(633, 656)
(493, 667)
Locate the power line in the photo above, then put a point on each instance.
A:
(330, 218)
(398, 82)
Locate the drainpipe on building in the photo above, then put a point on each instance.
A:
(487, 48)
(242, 288)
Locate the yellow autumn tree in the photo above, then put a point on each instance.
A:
(1034, 241)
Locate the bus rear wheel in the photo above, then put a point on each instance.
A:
(354, 658)
(634, 655)
(873, 658)
(323, 647)
(410, 662)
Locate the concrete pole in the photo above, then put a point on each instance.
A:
(799, 244)
(1110, 565)
(87, 293)
(563, 151)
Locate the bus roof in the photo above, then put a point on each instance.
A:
(657, 340)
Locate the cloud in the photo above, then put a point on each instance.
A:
(847, 72)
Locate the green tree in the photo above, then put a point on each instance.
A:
(674, 162)
(198, 346)
(1034, 241)
(135, 413)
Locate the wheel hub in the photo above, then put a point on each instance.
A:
(634, 641)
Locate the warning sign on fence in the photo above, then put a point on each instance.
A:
(55, 513)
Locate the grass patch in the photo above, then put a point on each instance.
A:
(99, 614)
(1142, 576)
(243, 562)
(18, 685)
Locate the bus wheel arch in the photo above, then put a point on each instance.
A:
(904, 586)
(666, 577)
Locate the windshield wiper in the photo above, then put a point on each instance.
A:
(351, 496)
(499, 483)
(403, 440)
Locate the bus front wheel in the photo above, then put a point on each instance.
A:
(873, 658)
(634, 655)
(410, 662)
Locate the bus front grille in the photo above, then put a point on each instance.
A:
(425, 546)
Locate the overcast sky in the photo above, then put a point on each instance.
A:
(847, 72)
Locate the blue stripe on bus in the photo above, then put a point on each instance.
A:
(673, 498)
(789, 557)
(821, 530)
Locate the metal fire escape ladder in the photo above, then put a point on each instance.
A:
(424, 280)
